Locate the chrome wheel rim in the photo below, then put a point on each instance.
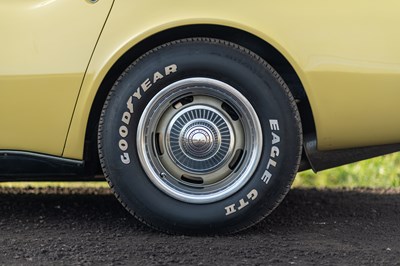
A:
(199, 140)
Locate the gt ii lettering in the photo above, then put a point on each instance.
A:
(274, 125)
(251, 196)
(126, 117)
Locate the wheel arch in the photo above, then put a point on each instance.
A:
(248, 40)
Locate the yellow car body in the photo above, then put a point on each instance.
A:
(55, 54)
(59, 59)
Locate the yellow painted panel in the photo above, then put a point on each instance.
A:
(45, 49)
(34, 117)
(346, 54)
(355, 109)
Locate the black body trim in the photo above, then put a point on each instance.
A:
(21, 165)
(321, 160)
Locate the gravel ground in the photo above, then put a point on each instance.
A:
(54, 226)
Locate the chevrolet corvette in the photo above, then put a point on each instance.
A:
(199, 114)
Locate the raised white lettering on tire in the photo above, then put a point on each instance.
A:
(251, 196)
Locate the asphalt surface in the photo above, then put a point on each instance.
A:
(89, 227)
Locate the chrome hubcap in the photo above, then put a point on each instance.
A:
(199, 140)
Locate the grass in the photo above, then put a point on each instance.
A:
(97, 184)
(380, 172)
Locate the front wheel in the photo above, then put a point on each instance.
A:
(200, 136)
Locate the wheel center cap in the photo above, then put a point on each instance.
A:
(199, 138)
(198, 141)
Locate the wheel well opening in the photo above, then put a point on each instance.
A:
(245, 39)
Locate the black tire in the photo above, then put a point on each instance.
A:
(200, 180)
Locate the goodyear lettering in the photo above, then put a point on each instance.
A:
(137, 94)
(123, 131)
(126, 117)
(157, 76)
(146, 85)
(129, 105)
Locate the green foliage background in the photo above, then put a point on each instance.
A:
(380, 172)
